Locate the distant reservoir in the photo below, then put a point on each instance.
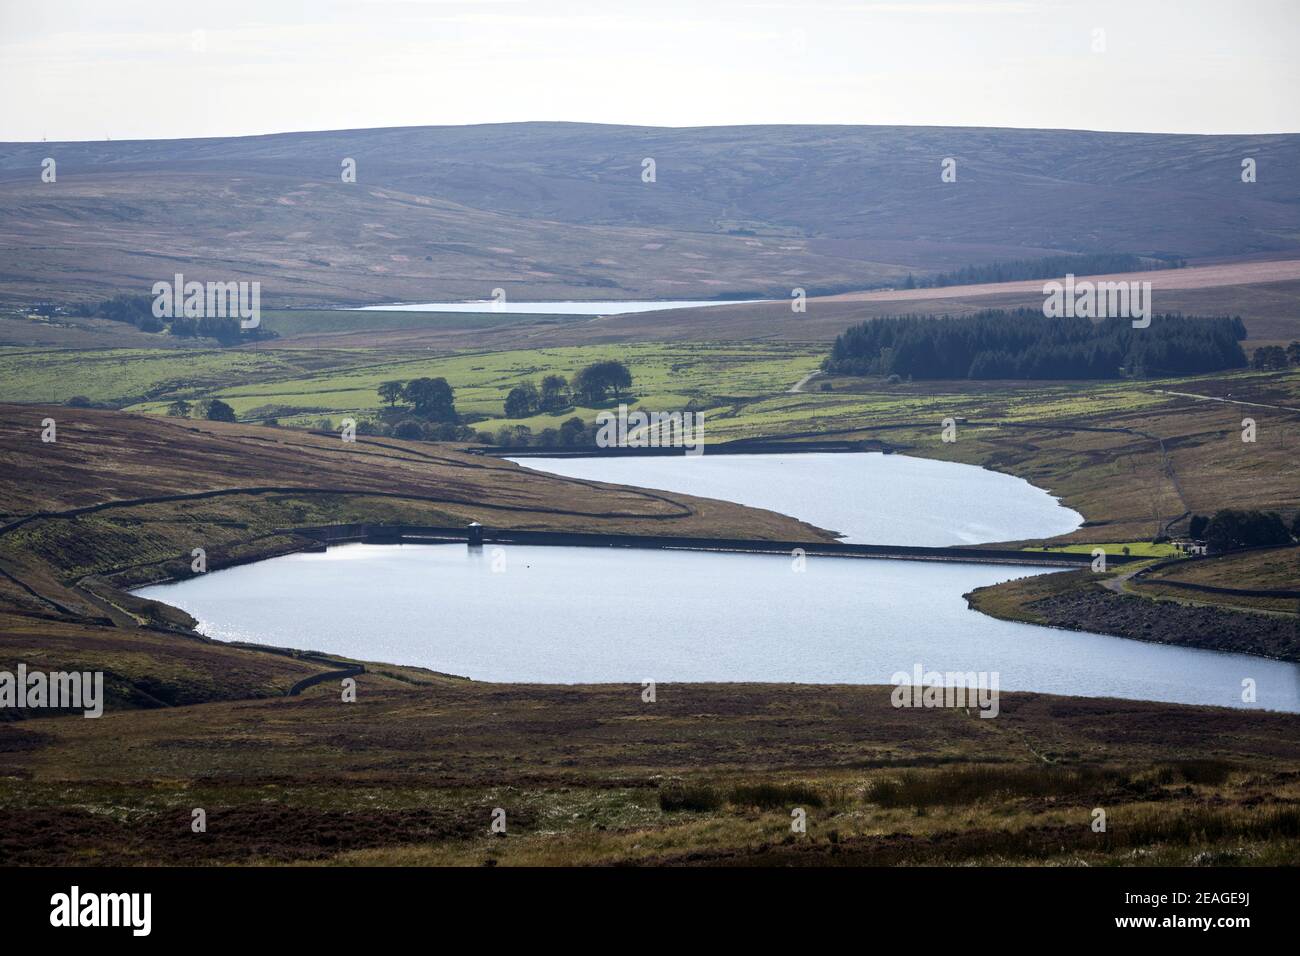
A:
(554, 308)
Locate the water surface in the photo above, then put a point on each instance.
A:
(576, 615)
(868, 497)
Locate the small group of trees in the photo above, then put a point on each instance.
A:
(413, 430)
(431, 399)
(137, 310)
(1232, 529)
(573, 433)
(594, 383)
(590, 386)
(1274, 357)
(213, 409)
(527, 399)
(225, 330)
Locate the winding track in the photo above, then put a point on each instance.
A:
(797, 387)
(1228, 401)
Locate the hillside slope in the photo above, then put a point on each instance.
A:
(558, 210)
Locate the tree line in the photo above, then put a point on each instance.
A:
(1232, 530)
(1023, 344)
(137, 310)
(573, 433)
(213, 409)
(1273, 357)
(1046, 267)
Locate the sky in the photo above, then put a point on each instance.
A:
(90, 69)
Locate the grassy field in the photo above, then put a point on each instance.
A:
(301, 387)
(744, 386)
(1274, 568)
(666, 377)
(126, 377)
(1138, 549)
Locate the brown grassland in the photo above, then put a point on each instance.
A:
(708, 774)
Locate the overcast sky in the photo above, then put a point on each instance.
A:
(87, 69)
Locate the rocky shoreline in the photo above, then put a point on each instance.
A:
(1168, 622)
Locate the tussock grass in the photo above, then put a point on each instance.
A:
(775, 796)
(766, 795)
(1205, 771)
(695, 798)
(1204, 826)
(965, 785)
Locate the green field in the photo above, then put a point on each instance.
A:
(1138, 549)
(300, 387)
(743, 387)
(665, 376)
(857, 403)
(126, 377)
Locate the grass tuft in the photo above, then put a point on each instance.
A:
(773, 796)
(1206, 771)
(696, 799)
(967, 785)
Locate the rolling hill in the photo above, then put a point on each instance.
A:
(559, 210)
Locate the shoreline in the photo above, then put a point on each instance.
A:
(964, 554)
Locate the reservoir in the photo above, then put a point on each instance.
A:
(576, 615)
(554, 308)
(869, 498)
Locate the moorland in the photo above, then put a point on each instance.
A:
(707, 774)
